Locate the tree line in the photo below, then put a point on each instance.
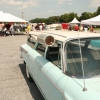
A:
(67, 17)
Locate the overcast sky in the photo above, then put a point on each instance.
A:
(45, 8)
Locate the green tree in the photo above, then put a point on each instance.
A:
(94, 14)
(32, 20)
(64, 18)
(38, 20)
(98, 11)
(72, 15)
(86, 15)
(53, 19)
(68, 17)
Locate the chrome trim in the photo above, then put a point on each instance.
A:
(65, 97)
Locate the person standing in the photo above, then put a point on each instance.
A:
(81, 28)
(1, 26)
(33, 28)
(85, 28)
(40, 27)
(28, 29)
(91, 29)
(11, 30)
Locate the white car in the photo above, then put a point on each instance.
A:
(65, 65)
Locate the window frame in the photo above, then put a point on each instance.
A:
(31, 42)
(40, 49)
(60, 52)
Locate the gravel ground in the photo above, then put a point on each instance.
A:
(13, 82)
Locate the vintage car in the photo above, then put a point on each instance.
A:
(65, 65)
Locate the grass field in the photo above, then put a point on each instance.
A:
(97, 28)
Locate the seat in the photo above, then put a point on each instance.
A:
(53, 55)
(74, 65)
(90, 58)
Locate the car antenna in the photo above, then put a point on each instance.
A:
(84, 89)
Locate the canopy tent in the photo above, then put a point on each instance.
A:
(92, 21)
(6, 17)
(1, 16)
(74, 21)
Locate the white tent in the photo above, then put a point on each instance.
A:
(1, 16)
(74, 21)
(6, 17)
(92, 21)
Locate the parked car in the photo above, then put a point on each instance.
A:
(65, 65)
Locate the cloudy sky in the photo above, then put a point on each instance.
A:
(45, 8)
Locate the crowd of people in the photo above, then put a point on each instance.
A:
(38, 27)
(10, 28)
(6, 29)
(81, 28)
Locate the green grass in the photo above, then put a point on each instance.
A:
(97, 28)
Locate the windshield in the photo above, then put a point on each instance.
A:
(90, 51)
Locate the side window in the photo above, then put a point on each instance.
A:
(54, 55)
(40, 49)
(31, 42)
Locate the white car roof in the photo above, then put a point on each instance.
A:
(63, 35)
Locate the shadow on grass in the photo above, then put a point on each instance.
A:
(32, 86)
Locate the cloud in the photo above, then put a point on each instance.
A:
(95, 3)
(22, 4)
(50, 11)
(63, 1)
(23, 7)
(33, 13)
(69, 3)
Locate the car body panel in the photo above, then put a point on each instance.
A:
(44, 74)
(75, 92)
(54, 82)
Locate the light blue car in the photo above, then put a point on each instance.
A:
(65, 65)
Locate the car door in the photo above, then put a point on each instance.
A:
(50, 77)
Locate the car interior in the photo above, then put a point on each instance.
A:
(90, 60)
(53, 55)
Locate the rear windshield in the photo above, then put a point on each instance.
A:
(89, 51)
